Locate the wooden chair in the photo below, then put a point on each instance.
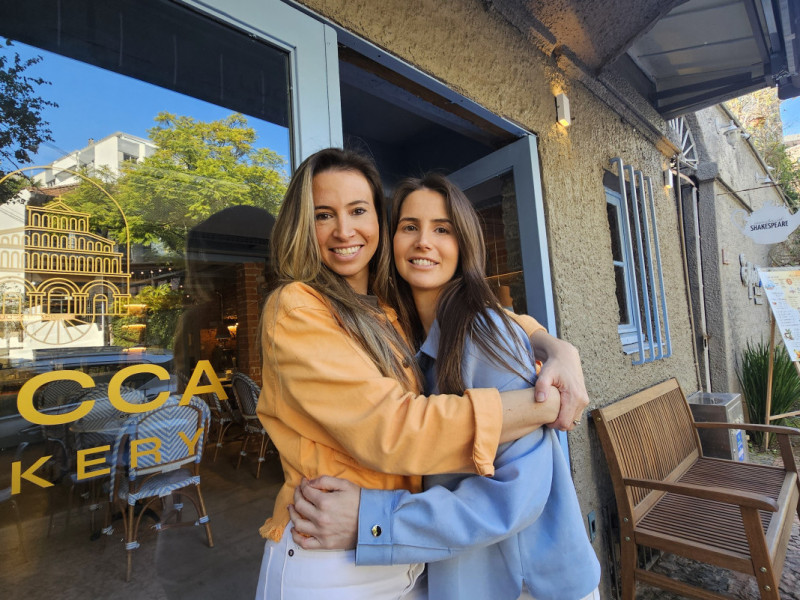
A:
(247, 391)
(670, 497)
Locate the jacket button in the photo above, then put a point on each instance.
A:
(291, 552)
(406, 364)
(376, 530)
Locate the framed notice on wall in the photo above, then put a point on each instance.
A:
(782, 286)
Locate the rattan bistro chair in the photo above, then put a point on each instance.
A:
(222, 417)
(155, 470)
(247, 391)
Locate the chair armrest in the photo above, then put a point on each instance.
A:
(718, 494)
(776, 429)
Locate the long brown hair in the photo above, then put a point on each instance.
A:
(296, 256)
(466, 304)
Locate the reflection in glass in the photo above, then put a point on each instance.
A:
(496, 203)
(140, 249)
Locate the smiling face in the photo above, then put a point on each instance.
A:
(346, 224)
(425, 244)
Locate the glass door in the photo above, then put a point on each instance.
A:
(505, 188)
(134, 241)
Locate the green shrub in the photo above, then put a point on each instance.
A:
(752, 375)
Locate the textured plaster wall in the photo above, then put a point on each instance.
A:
(733, 318)
(477, 53)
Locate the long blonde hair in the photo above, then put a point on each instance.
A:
(296, 256)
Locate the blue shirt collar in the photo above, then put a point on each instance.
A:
(430, 346)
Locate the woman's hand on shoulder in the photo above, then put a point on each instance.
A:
(561, 369)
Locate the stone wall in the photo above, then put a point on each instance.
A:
(477, 53)
(731, 184)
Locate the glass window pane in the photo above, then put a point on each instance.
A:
(496, 203)
(134, 260)
(622, 294)
(164, 44)
(616, 233)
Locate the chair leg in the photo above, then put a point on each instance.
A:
(261, 452)
(18, 519)
(51, 509)
(798, 504)
(628, 568)
(129, 540)
(771, 593)
(242, 451)
(69, 506)
(107, 518)
(220, 433)
(204, 516)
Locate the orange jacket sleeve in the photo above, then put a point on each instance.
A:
(320, 384)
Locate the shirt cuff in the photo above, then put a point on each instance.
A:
(374, 546)
(488, 410)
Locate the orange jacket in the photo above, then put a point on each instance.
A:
(329, 411)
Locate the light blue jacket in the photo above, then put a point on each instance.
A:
(483, 536)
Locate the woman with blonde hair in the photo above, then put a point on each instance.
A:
(340, 391)
(517, 535)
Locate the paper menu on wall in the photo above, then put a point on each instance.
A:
(782, 286)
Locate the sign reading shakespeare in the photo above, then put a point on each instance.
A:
(782, 286)
(767, 225)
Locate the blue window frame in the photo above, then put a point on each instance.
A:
(636, 255)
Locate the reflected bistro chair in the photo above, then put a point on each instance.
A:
(222, 417)
(5, 496)
(166, 466)
(247, 391)
(99, 428)
(54, 398)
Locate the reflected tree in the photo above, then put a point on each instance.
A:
(22, 127)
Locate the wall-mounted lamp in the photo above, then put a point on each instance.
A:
(562, 110)
(668, 180)
(745, 135)
(728, 127)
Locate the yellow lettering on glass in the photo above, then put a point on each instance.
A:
(83, 462)
(17, 475)
(116, 382)
(155, 450)
(193, 387)
(190, 443)
(26, 393)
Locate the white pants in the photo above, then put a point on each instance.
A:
(526, 595)
(290, 573)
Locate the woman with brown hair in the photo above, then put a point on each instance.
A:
(517, 535)
(340, 389)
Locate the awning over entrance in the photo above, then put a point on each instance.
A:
(681, 55)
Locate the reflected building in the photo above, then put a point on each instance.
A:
(59, 282)
(108, 153)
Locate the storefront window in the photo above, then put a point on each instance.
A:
(133, 251)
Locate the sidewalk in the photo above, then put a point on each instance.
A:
(737, 585)
(724, 581)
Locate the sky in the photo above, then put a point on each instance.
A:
(94, 103)
(790, 115)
